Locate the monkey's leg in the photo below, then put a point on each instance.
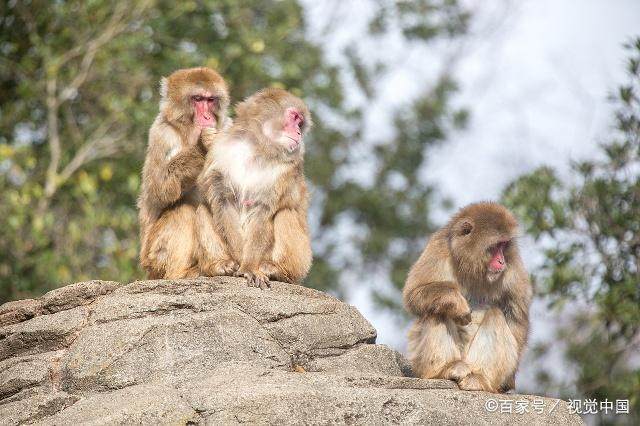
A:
(171, 253)
(213, 257)
(492, 354)
(258, 239)
(291, 255)
(433, 348)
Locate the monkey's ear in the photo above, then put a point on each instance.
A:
(464, 227)
(163, 87)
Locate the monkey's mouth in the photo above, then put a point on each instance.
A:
(497, 264)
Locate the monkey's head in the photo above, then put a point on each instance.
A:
(482, 240)
(196, 96)
(279, 118)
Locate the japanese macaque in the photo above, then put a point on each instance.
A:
(471, 294)
(191, 100)
(253, 220)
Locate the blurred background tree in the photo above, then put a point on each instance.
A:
(78, 91)
(591, 270)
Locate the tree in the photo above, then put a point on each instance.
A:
(591, 233)
(78, 87)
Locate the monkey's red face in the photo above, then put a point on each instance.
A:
(292, 129)
(287, 130)
(205, 107)
(482, 248)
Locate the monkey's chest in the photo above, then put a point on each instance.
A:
(248, 176)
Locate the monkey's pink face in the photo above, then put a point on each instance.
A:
(288, 130)
(292, 129)
(205, 107)
(486, 248)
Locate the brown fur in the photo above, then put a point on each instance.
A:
(472, 324)
(253, 220)
(175, 156)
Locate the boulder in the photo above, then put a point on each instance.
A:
(212, 351)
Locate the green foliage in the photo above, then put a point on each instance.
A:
(78, 91)
(592, 231)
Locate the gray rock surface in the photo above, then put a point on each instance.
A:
(215, 351)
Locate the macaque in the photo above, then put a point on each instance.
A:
(191, 100)
(471, 294)
(253, 219)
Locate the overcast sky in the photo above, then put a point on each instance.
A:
(535, 78)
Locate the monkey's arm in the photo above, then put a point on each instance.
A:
(171, 169)
(431, 289)
(515, 304)
(291, 256)
(214, 253)
(258, 239)
(218, 197)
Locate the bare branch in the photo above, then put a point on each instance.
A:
(53, 137)
(99, 144)
(113, 28)
(96, 149)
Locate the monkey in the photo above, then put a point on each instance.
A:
(253, 219)
(471, 294)
(190, 100)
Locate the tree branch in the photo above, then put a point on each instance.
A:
(53, 137)
(115, 26)
(99, 145)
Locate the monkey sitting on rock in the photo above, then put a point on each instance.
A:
(252, 221)
(192, 101)
(471, 294)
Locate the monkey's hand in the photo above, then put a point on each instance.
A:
(186, 166)
(208, 136)
(453, 305)
(254, 278)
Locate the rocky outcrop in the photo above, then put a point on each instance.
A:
(212, 351)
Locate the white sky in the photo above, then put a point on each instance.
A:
(536, 79)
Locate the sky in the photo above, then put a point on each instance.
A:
(535, 76)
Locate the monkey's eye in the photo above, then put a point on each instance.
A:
(466, 228)
(197, 98)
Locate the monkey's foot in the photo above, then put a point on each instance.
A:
(474, 382)
(255, 279)
(227, 267)
(220, 267)
(456, 371)
(273, 272)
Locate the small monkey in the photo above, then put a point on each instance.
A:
(253, 219)
(471, 294)
(191, 100)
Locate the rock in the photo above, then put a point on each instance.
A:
(210, 351)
